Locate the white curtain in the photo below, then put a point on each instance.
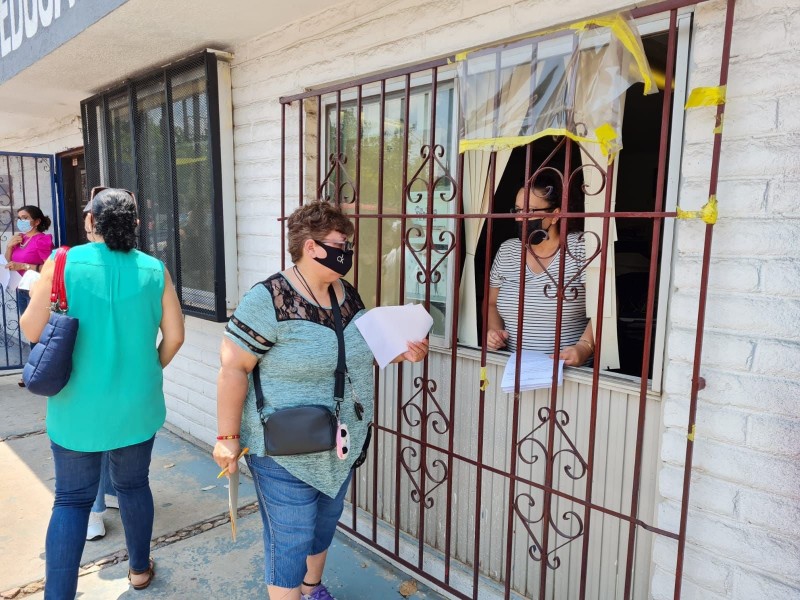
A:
(609, 350)
(476, 190)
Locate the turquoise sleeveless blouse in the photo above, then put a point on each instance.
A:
(115, 396)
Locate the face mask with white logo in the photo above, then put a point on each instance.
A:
(337, 260)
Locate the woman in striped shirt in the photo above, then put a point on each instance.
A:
(542, 259)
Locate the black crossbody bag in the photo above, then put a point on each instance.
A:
(309, 429)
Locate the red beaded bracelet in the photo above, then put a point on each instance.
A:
(236, 436)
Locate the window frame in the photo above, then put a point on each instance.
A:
(96, 136)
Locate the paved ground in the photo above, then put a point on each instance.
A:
(195, 557)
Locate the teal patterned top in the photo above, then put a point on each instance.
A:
(295, 342)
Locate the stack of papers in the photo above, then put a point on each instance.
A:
(536, 371)
(388, 329)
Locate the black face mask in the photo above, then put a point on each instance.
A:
(536, 233)
(337, 260)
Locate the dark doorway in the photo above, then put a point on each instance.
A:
(73, 172)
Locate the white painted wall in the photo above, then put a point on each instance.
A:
(744, 522)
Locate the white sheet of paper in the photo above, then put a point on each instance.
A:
(13, 281)
(536, 371)
(387, 329)
(5, 274)
(27, 281)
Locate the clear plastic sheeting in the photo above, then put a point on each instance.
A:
(567, 82)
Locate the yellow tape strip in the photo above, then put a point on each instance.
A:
(484, 380)
(706, 96)
(690, 436)
(708, 213)
(605, 137)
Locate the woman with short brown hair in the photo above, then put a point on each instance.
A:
(283, 338)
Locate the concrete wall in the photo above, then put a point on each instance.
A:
(743, 526)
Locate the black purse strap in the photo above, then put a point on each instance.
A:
(341, 366)
(257, 386)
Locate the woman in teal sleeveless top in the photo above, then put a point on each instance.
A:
(114, 400)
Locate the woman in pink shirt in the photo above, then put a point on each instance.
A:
(29, 249)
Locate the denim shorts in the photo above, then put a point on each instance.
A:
(299, 520)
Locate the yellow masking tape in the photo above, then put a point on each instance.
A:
(484, 380)
(708, 213)
(605, 136)
(690, 436)
(461, 56)
(706, 96)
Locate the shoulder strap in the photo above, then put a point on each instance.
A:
(58, 291)
(257, 386)
(341, 366)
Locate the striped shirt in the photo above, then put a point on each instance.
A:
(538, 325)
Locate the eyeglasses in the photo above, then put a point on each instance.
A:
(346, 246)
(517, 210)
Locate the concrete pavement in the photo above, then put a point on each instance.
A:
(195, 557)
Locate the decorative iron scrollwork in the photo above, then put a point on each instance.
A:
(561, 421)
(412, 409)
(446, 239)
(567, 535)
(344, 189)
(570, 289)
(449, 192)
(436, 473)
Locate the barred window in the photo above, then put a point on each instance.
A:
(159, 137)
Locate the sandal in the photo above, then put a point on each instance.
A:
(151, 571)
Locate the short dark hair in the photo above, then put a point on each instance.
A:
(315, 220)
(115, 219)
(37, 215)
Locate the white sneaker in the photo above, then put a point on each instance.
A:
(111, 501)
(96, 528)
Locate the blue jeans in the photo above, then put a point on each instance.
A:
(105, 487)
(77, 481)
(23, 300)
(299, 521)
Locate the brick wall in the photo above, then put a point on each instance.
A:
(745, 497)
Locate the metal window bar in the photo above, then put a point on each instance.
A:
(426, 461)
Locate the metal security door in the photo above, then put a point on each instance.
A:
(25, 180)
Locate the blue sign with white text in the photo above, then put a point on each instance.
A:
(32, 29)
